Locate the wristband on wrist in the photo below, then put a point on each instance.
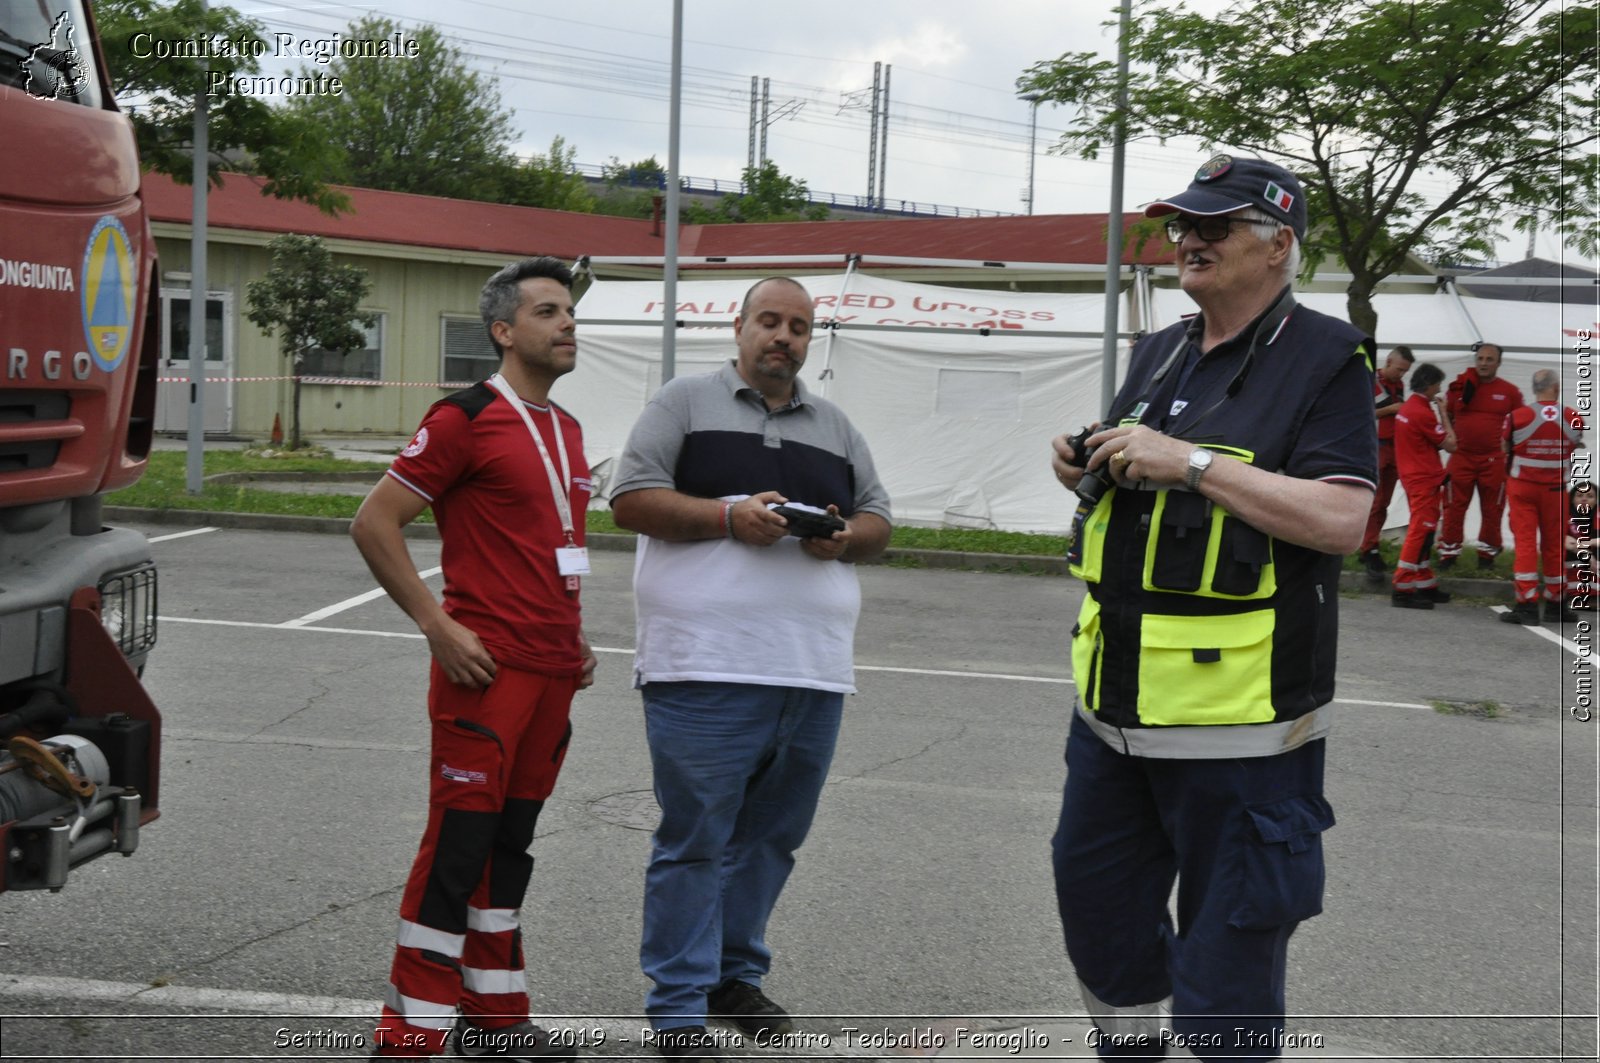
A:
(727, 519)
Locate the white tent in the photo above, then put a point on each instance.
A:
(958, 391)
(1441, 328)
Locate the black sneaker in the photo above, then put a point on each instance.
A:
(1446, 564)
(686, 1042)
(1485, 563)
(1521, 614)
(1410, 600)
(1434, 594)
(1373, 562)
(1559, 612)
(524, 1041)
(748, 1008)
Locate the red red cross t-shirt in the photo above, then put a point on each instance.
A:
(476, 464)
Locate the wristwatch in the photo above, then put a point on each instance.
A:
(1199, 462)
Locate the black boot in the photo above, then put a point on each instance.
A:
(1522, 613)
(1560, 612)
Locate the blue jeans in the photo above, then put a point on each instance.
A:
(738, 771)
(1243, 839)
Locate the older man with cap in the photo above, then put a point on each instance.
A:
(1237, 464)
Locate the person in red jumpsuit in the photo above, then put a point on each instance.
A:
(1477, 401)
(503, 469)
(1388, 392)
(1419, 435)
(1540, 439)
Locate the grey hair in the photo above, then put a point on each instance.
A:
(1265, 228)
(1546, 380)
(502, 293)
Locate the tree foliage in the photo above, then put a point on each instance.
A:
(769, 195)
(309, 302)
(551, 181)
(631, 189)
(427, 124)
(1417, 126)
(244, 133)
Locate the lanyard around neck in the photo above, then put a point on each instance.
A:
(558, 480)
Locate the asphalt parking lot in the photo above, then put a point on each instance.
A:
(257, 918)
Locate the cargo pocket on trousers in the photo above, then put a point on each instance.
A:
(1282, 875)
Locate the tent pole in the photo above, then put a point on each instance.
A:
(827, 347)
(1455, 294)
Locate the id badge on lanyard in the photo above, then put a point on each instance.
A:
(572, 560)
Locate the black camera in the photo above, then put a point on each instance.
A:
(809, 522)
(1094, 483)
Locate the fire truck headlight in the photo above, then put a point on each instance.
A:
(128, 609)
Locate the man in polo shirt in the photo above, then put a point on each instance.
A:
(745, 637)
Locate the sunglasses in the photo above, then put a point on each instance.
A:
(1211, 228)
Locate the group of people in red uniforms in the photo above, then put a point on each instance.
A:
(1500, 448)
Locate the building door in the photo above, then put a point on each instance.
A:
(172, 398)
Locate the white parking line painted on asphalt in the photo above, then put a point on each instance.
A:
(963, 675)
(945, 673)
(181, 535)
(281, 627)
(172, 996)
(349, 603)
(1571, 647)
(231, 738)
(1381, 704)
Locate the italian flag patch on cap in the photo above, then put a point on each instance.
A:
(1278, 197)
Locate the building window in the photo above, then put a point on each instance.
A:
(362, 363)
(467, 355)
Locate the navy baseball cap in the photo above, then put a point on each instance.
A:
(1224, 184)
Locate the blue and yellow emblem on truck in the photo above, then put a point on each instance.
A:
(110, 285)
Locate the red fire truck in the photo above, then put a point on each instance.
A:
(79, 738)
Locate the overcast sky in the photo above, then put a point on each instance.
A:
(596, 73)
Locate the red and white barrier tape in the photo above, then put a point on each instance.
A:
(452, 384)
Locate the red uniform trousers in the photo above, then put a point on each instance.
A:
(1415, 570)
(1388, 476)
(1487, 473)
(496, 755)
(1538, 528)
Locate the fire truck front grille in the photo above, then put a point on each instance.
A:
(33, 424)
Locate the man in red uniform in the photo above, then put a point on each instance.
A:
(1541, 439)
(503, 469)
(1477, 402)
(1388, 392)
(1418, 437)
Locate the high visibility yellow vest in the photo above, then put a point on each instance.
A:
(1201, 636)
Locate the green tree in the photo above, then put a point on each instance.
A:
(243, 133)
(426, 124)
(309, 302)
(769, 195)
(631, 189)
(550, 181)
(1417, 126)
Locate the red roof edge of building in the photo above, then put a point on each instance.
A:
(493, 228)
